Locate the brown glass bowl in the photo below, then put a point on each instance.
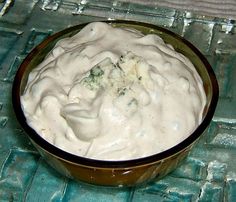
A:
(117, 173)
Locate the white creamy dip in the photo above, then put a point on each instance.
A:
(114, 94)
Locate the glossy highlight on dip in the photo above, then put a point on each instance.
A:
(120, 172)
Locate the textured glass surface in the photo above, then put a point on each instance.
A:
(209, 172)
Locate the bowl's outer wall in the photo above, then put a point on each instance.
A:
(130, 176)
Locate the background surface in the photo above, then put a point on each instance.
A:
(217, 8)
(209, 172)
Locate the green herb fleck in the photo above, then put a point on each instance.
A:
(121, 91)
(121, 60)
(119, 67)
(93, 81)
(133, 101)
(96, 71)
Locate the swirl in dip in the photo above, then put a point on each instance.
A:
(114, 94)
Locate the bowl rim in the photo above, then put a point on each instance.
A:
(88, 162)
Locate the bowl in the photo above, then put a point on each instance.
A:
(127, 172)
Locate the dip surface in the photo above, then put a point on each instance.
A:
(114, 94)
